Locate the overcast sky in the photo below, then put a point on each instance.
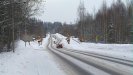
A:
(66, 10)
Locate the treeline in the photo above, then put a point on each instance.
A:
(109, 25)
(62, 28)
(34, 28)
(15, 19)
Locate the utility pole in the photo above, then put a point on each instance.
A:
(12, 10)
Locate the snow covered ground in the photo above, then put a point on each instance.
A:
(123, 51)
(30, 60)
(36, 60)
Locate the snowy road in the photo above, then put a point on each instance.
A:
(85, 63)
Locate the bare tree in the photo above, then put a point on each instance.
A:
(82, 15)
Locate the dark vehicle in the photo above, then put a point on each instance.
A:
(59, 46)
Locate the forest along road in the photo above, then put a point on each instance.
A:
(81, 63)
